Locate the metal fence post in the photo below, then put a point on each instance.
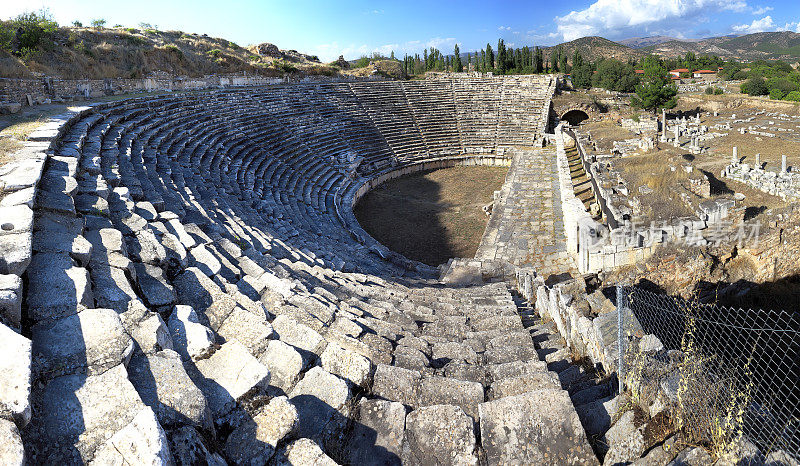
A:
(621, 337)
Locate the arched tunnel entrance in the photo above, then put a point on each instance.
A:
(575, 117)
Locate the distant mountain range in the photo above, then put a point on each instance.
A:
(641, 42)
(783, 45)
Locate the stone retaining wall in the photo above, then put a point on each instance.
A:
(47, 89)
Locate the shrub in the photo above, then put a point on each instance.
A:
(793, 96)
(718, 91)
(755, 86)
(214, 53)
(284, 66)
(131, 30)
(81, 47)
(30, 30)
(174, 49)
(776, 94)
(77, 24)
(98, 23)
(709, 90)
(362, 62)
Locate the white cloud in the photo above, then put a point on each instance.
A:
(761, 10)
(504, 28)
(618, 17)
(758, 25)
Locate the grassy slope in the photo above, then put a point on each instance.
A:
(133, 53)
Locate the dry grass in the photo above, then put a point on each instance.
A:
(431, 216)
(121, 53)
(13, 136)
(653, 170)
(605, 132)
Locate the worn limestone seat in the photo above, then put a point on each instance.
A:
(196, 294)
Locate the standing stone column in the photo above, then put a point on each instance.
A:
(676, 143)
(783, 163)
(758, 161)
(735, 156)
(663, 125)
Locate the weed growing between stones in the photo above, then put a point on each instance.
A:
(711, 408)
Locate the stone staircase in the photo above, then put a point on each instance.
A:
(581, 183)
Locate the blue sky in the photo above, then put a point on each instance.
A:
(354, 28)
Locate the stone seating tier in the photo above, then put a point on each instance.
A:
(197, 291)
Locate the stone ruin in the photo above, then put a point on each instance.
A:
(623, 238)
(784, 183)
(183, 281)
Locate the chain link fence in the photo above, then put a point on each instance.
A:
(727, 373)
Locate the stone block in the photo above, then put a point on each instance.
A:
(254, 442)
(440, 434)
(227, 375)
(162, 382)
(15, 383)
(377, 436)
(190, 338)
(11, 300)
(538, 427)
(89, 342)
(142, 441)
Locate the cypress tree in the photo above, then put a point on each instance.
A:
(538, 60)
(563, 64)
(469, 61)
(502, 60)
(457, 66)
(489, 58)
(554, 60)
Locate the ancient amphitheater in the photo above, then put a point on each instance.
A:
(184, 282)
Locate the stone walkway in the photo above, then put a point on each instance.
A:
(527, 227)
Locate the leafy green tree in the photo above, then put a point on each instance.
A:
(581, 72)
(756, 85)
(615, 76)
(489, 58)
(554, 60)
(77, 24)
(562, 63)
(98, 23)
(655, 90)
(785, 85)
(457, 66)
